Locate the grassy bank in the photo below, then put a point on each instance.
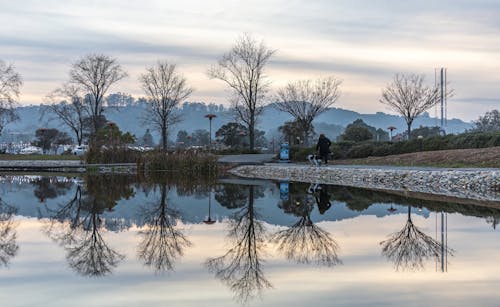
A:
(480, 157)
(187, 162)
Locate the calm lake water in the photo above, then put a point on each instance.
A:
(126, 241)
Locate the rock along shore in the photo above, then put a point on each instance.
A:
(478, 184)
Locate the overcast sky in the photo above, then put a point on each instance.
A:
(364, 43)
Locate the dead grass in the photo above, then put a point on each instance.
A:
(481, 157)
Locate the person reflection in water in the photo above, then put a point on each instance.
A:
(305, 242)
(322, 199)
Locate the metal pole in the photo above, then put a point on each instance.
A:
(446, 221)
(445, 97)
(442, 98)
(442, 242)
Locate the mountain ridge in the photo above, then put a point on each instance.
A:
(131, 118)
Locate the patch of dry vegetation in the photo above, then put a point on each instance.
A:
(478, 157)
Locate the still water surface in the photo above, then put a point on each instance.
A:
(124, 241)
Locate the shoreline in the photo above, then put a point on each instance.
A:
(473, 184)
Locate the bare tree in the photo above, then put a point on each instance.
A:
(242, 69)
(408, 96)
(94, 74)
(10, 82)
(8, 236)
(162, 243)
(165, 89)
(410, 247)
(307, 99)
(489, 122)
(67, 105)
(77, 226)
(305, 242)
(241, 266)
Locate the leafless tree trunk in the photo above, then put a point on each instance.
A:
(94, 74)
(67, 105)
(408, 96)
(241, 266)
(307, 99)
(163, 243)
(242, 69)
(8, 235)
(410, 247)
(10, 82)
(165, 89)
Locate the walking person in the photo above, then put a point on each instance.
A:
(323, 147)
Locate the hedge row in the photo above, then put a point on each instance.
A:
(352, 150)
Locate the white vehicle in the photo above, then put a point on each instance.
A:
(80, 150)
(31, 150)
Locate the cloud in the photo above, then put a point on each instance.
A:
(363, 42)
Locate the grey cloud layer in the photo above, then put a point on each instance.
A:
(197, 32)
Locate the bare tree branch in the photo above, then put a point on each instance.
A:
(10, 84)
(67, 104)
(408, 96)
(410, 247)
(241, 266)
(94, 74)
(162, 243)
(305, 242)
(242, 70)
(307, 99)
(8, 244)
(166, 89)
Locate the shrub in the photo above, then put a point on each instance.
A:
(188, 162)
(351, 150)
(360, 151)
(298, 153)
(112, 155)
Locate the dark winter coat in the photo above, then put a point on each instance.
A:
(323, 145)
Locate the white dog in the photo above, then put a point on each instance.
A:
(314, 159)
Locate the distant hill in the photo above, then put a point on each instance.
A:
(131, 118)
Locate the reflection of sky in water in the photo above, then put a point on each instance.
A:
(40, 275)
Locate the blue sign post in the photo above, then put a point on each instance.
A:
(284, 152)
(284, 189)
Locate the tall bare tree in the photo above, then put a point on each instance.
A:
(162, 242)
(410, 247)
(165, 88)
(242, 69)
(8, 235)
(240, 267)
(94, 74)
(307, 99)
(78, 226)
(409, 96)
(10, 83)
(304, 241)
(67, 105)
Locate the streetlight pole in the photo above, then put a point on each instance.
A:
(391, 128)
(210, 117)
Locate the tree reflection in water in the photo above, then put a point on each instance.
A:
(162, 244)
(50, 187)
(78, 226)
(8, 244)
(305, 242)
(241, 266)
(410, 247)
